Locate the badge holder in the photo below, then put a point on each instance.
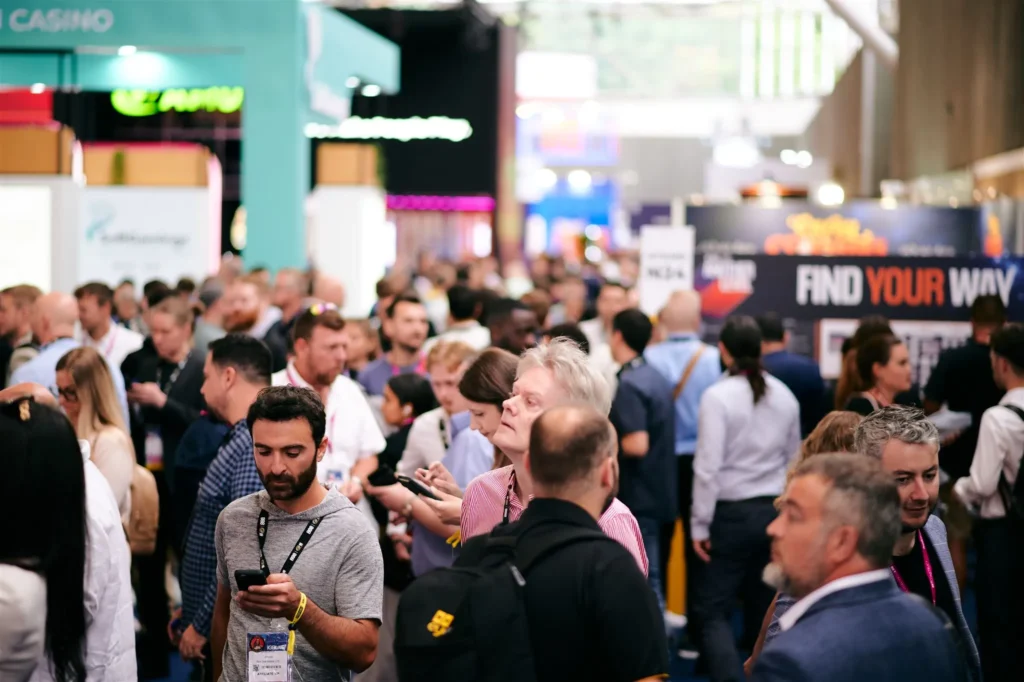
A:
(154, 450)
(269, 654)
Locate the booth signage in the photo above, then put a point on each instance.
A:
(24, 19)
(666, 264)
(399, 129)
(812, 288)
(146, 103)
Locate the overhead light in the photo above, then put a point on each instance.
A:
(831, 194)
(804, 159)
(788, 157)
(736, 152)
(352, 83)
(546, 178)
(579, 180)
(889, 203)
(38, 88)
(127, 50)
(371, 90)
(526, 110)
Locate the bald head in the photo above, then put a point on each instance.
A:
(329, 290)
(681, 313)
(568, 446)
(54, 316)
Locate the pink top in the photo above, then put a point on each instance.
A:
(484, 503)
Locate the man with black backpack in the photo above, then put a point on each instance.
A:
(995, 490)
(549, 597)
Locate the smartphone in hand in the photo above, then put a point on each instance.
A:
(416, 487)
(246, 578)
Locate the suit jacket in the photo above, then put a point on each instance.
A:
(935, 532)
(870, 632)
(184, 402)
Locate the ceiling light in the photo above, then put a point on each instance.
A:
(579, 180)
(804, 159)
(831, 194)
(127, 50)
(788, 157)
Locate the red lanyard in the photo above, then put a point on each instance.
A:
(110, 344)
(927, 570)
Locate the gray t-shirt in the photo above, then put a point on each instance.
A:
(340, 570)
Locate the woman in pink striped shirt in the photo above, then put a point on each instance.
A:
(556, 373)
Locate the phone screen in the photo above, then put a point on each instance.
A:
(416, 487)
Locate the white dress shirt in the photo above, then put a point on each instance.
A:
(1000, 445)
(429, 438)
(352, 431)
(115, 345)
(797, 611)
(470, 332)
(110, 623)
(743, 449)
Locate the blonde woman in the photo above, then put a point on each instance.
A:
(834, 433)
(86, 392)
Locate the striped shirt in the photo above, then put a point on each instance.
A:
(484, 504)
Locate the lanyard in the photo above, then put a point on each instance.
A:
(927, 570)
(113, 339)
(261, 535)
(508, 498)
(298, 383)
(166, 384)
(443, 428)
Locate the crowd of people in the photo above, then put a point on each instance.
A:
(274, 491)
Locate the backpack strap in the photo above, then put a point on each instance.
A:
(690, 366)
(527, 556)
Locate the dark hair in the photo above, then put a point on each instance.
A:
(869, 326)
(156, 292)
(404, 297)
(385, 288)
(539, 301)
(489, 379)
(104, 294)
(248, 356)
(571, 331)
(186, 285)
(44, 477)
(319, 315)
(861, 494)
(287, 403)
(211, 292)
(877, 349)
(567, 443)
(742, 338)
(1008, 343)
(463, 302)
(772, 328)
(988, 311)
(849, 375)
(413, 389)
(635, 327)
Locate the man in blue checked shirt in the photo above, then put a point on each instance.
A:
(237, 368)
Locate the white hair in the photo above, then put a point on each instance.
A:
(572, 370)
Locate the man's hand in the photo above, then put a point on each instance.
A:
(438, 477)
(393, 496)
(448, 508)
(279, 598)
(191, 645)
(703, 550)
(147, 393)
(351, 490)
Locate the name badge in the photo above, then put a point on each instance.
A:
(154, 450)
(334, 477)
(267, 657)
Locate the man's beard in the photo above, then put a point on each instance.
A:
(294, 487)
(241, 320)
(908, 528)
(406, 348)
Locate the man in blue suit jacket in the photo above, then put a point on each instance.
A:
(831, 548)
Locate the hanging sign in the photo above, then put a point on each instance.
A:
(147, 103)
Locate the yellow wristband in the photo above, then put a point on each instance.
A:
(301, 610)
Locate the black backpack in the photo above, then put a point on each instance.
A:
(1013, 495)
(468, 623)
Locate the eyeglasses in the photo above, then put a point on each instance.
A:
(321, 308)
(69, 394)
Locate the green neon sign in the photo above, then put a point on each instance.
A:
(147, 103)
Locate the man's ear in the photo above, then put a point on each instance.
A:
(230, 375)
(322, 450)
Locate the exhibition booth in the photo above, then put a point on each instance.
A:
(297, 63)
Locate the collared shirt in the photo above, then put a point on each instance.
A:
(743, 448)
(1000, 445)
(352, 431)
(790, 618)
(42, 370)
(470, 455)
(469, 332)
(115, 345)
(670, 358)
(429, 439)
(484, 503)
(231, 476)
(643, 403)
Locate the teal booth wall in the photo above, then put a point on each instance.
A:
(293, 58)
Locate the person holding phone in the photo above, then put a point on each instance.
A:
(319, 559)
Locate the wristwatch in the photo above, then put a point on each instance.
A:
(358, 481)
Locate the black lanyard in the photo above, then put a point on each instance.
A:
(261, 534)
(167, 383)
(508, 498)
(443, 427)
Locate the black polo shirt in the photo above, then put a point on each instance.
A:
(643, 402)
(591, 613)
(963, 379)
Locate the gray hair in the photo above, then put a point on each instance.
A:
(572, 370)
(862, 495)
(897, 422)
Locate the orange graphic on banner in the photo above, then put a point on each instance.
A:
(993, 238)
(831, 236)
